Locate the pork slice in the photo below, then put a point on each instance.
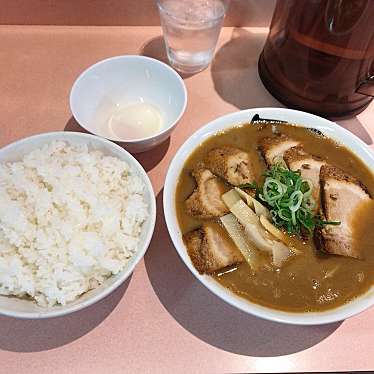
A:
(341, 195)
(206, 202)
(209, 250)
(273, 148)
(309, 166)
(231, 164)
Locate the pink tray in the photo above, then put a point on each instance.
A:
(162, 320)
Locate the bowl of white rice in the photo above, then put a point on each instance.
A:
(77, 213)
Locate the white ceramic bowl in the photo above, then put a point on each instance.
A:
(122, 80)
(13, 152)
(331, 130)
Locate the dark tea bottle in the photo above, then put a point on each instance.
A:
(319, 55)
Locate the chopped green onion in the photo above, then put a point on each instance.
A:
(252, 185)
(289, 199)
(296, 199)
(320, 222)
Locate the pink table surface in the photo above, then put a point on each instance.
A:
(161, 319)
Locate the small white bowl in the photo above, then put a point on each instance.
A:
(328, 128)
(18, 308)
(123, 80)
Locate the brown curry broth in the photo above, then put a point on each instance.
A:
(301, 284)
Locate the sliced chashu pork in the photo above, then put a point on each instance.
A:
(341, 195)
(309, 166)
(209, 250)
(231, 164)
(205, 202)
(273, 148)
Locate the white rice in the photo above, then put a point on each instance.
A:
(69, 219)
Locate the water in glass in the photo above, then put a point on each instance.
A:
(191, 29)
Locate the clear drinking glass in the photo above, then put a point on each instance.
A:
(191, 29)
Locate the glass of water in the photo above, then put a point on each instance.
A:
(191, 29)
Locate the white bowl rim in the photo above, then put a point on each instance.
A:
(230, 120)
(140, 253)
(73, 106)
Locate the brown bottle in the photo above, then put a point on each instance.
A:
(319, 55)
